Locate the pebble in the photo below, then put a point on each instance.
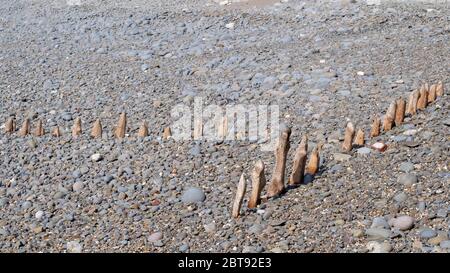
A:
(378, 233)
(183, 248)
(406, 167)
(96, 157)
(39, 214)
(341, 157)
(442, 213)
(445, 244)
(428, 233)
(74, 247)
(379, 222)
(154, 237)
(77, 186)
(376, 247)
(402, 223)
(401, 197)
(363, 151)
(407, 179)
(256, 229)
(193, 195)
(209, 228)
(442, 236)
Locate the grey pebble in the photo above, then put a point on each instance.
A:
(193, 195)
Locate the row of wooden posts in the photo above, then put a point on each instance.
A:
(418, 100)
(96, 131)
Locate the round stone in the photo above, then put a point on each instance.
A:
(77, 186)
(379, 222)
(74, 247)
(428, 233)
(193, 195)
(406, 167)
(39, 214)
(96, 157)
(154, 237)
(407, 179)
(403, 222)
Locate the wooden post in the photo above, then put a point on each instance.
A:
(97, 129)
(121, 126)
(375, 129)
(423, 98)
(10, 125)
(359, 139)
(25, 129)
(76, 128)
(348, 137)
(313, 164)
(389, 118)
(258, 183)
(298, 168)
(400, 111)
(239, 197)
(56, 132)
(39, 131)
(277, 184)
(412, 102)
(143, 130)
(440, 89)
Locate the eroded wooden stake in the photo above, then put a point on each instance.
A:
(242, 186)
(298, 168)
(121, 126)
(25, 129)
(258, 183)
(97, 129)
(348, 137)
(143, 130)
(359, 139)
(432, 93)
(423, 98)
(10, 125)
(314, 161)
(375, 129)
(412, 102)
(167, 133)
(389, 117)
(440, 89)
(400, 111)
(39, 131)
(76, 128)
(56, 132)
(277, 183)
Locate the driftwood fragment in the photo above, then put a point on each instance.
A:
(277, 183)
(400, 111)
(258, 183)
(121, 126)
(239, 197)
(348, 137)
(298, 168)
(389, 117)
(314, 161)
